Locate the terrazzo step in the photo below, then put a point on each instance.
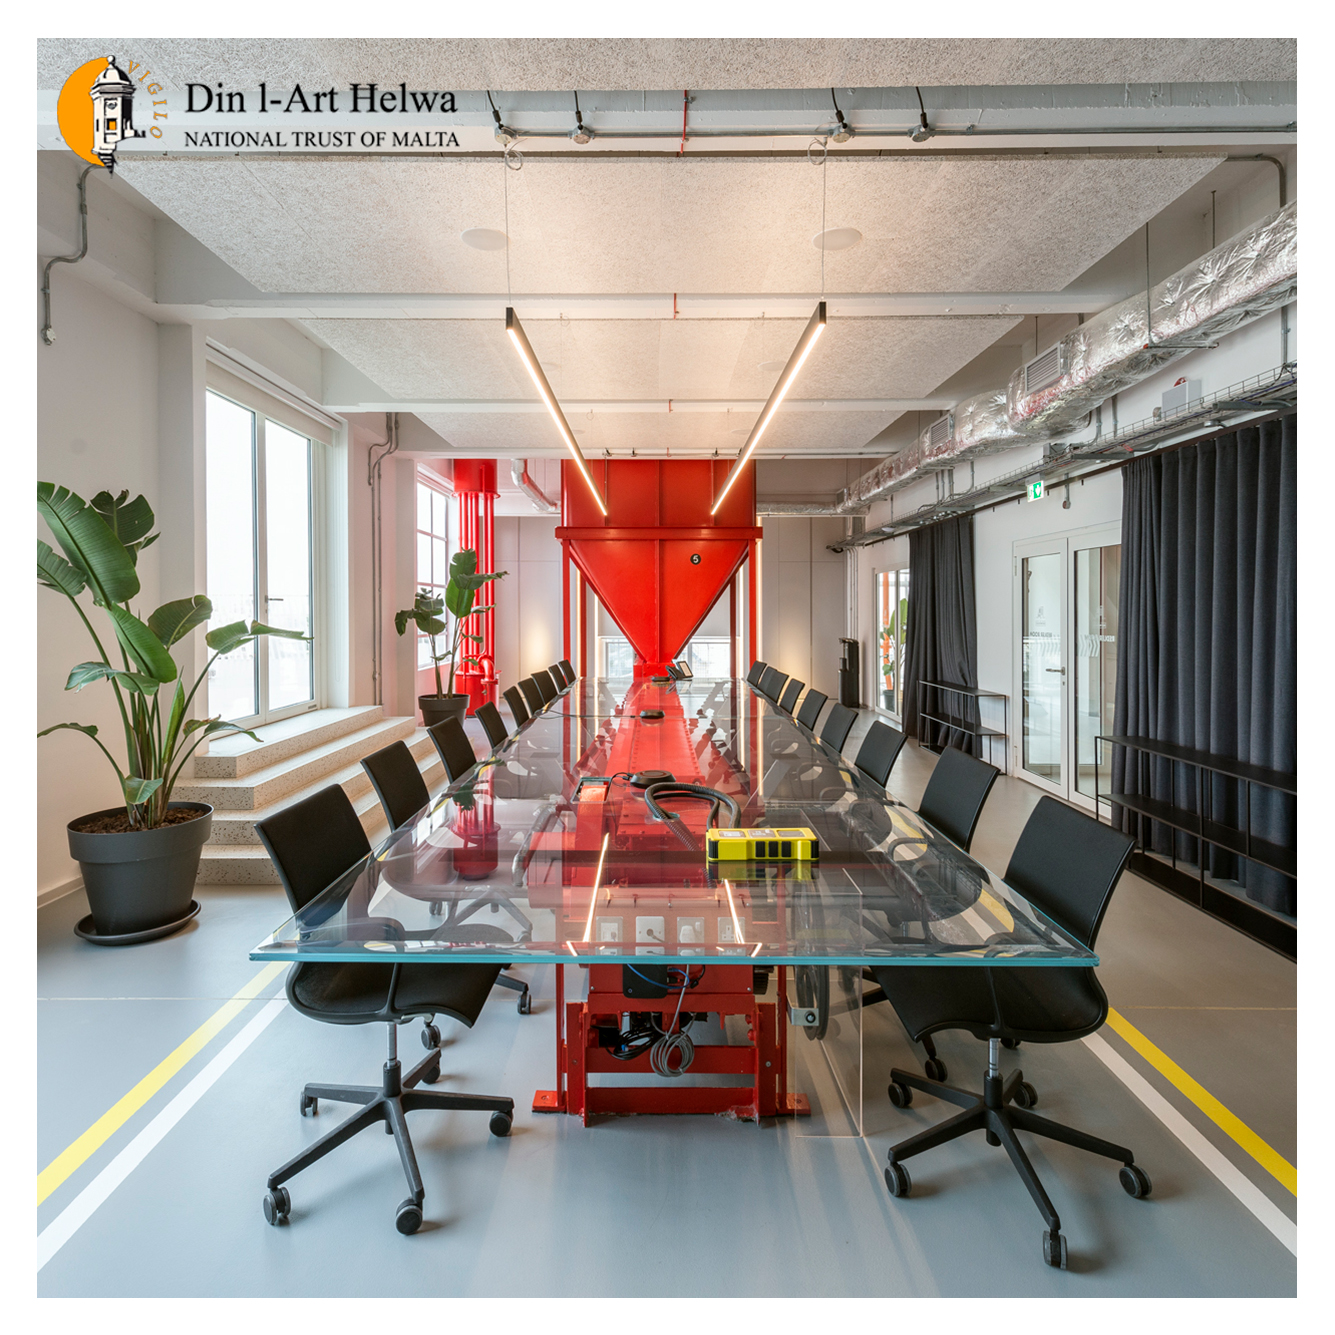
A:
(263, 787)
(237, 756)
(237, 828)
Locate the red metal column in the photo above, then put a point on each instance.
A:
(475, 492)
(582, 587)
(752, 588)
(565, 601)
(732, 628)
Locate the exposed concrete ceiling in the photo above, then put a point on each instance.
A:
(659, 63)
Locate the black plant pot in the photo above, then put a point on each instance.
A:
(437, 708)
(139, 883)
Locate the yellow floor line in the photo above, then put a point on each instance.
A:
(1269, 1159)
(115, 1117)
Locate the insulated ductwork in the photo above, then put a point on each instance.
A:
(1249, 275)
(519, 476)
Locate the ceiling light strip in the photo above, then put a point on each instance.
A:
(815, 328)
(530, 360)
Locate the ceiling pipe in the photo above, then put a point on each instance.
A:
(519, 476)
(1249, 275)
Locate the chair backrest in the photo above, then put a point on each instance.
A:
(456, 751)
(397, 781)
(955, 794)
(314, 842)
(790, 694)
(838, 724)
(753, 676)
(492, 723)
(567, 667)
(546, 686)
(532, 694)
(811, 708)
(558, 677)
(684, 668)
(771, 683)
(879, 750)
(517, 707)
(1067, 865)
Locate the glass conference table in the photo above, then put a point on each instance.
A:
(525, 861)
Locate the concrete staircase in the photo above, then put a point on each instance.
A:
(245, 782)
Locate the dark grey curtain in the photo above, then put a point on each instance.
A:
(942, 641)
(1208, 657)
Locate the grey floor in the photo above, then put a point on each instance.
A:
(657, 1206)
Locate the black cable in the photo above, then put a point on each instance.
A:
(922, 110)
(676, 789)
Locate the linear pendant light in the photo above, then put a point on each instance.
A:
(815, 328)
(525, 350)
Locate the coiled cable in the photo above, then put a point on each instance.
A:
(673, 1040)
(675, 789)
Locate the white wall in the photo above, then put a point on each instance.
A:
(528, 600)
(803, 600)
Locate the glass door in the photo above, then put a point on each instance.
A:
(892, 615)
(1097, 574)
(258, 489)
(1042, 645)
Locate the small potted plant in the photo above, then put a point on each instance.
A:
(427, 614)
(138, 861)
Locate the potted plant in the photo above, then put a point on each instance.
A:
(427, 614)
(138, 861)
(888, 670)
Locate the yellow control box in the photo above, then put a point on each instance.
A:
(763, 844)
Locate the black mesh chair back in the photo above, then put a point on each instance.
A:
(771, 683)
(517, 707)
(838, 724)
(492, 724)
(456, 751)
(314, 842)
(1067, 865)
(879, 750)
(757, 668)
(567, 667)
(398, 783)
(790, 694)
(546, 686)
(532, 695)
(955, 795)
(811, 708)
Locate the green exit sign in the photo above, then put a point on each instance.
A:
(1036, 490)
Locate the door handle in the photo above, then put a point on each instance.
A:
(267, 599)
(1061, 670)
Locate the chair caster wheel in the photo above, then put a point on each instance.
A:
(435, 908)
(500, 1123)
(898, 1181)
(309, 1105)
(408, 1217)
(900, 1095)
(935, 1069)
(277, 1206)
(1011, 1043)
(430, 1036)
(1026, 1096)
(525, 1006)
(1054, 1250)
(1135, 1181)
(431, 1074)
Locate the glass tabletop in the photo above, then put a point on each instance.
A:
(525, 859)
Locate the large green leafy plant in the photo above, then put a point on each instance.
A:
(102, 541)
(427, 613)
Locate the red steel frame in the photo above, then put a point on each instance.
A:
(475, 491)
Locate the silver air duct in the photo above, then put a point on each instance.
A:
(1253, 273)
(519, 476)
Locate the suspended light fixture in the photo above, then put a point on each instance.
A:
(815, 328)
(581, 134)
(527, 356)
(845, 131)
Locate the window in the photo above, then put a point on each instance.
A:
(892, 619)
(615, 656)
(258, 489)
(709, 655)
(434, 550)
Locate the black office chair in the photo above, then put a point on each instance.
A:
(879, 750)
(790, 694)
(452, 744)
(518, 709)
(810, 710)
(546, 686)
(771, 684)
(951, 804)
(492, 723)
(757, 670)
(398, 783)
(314, 843)
(838, 724)
(532, 695)
(568, 668)
(1067, 866)
(558, 678)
